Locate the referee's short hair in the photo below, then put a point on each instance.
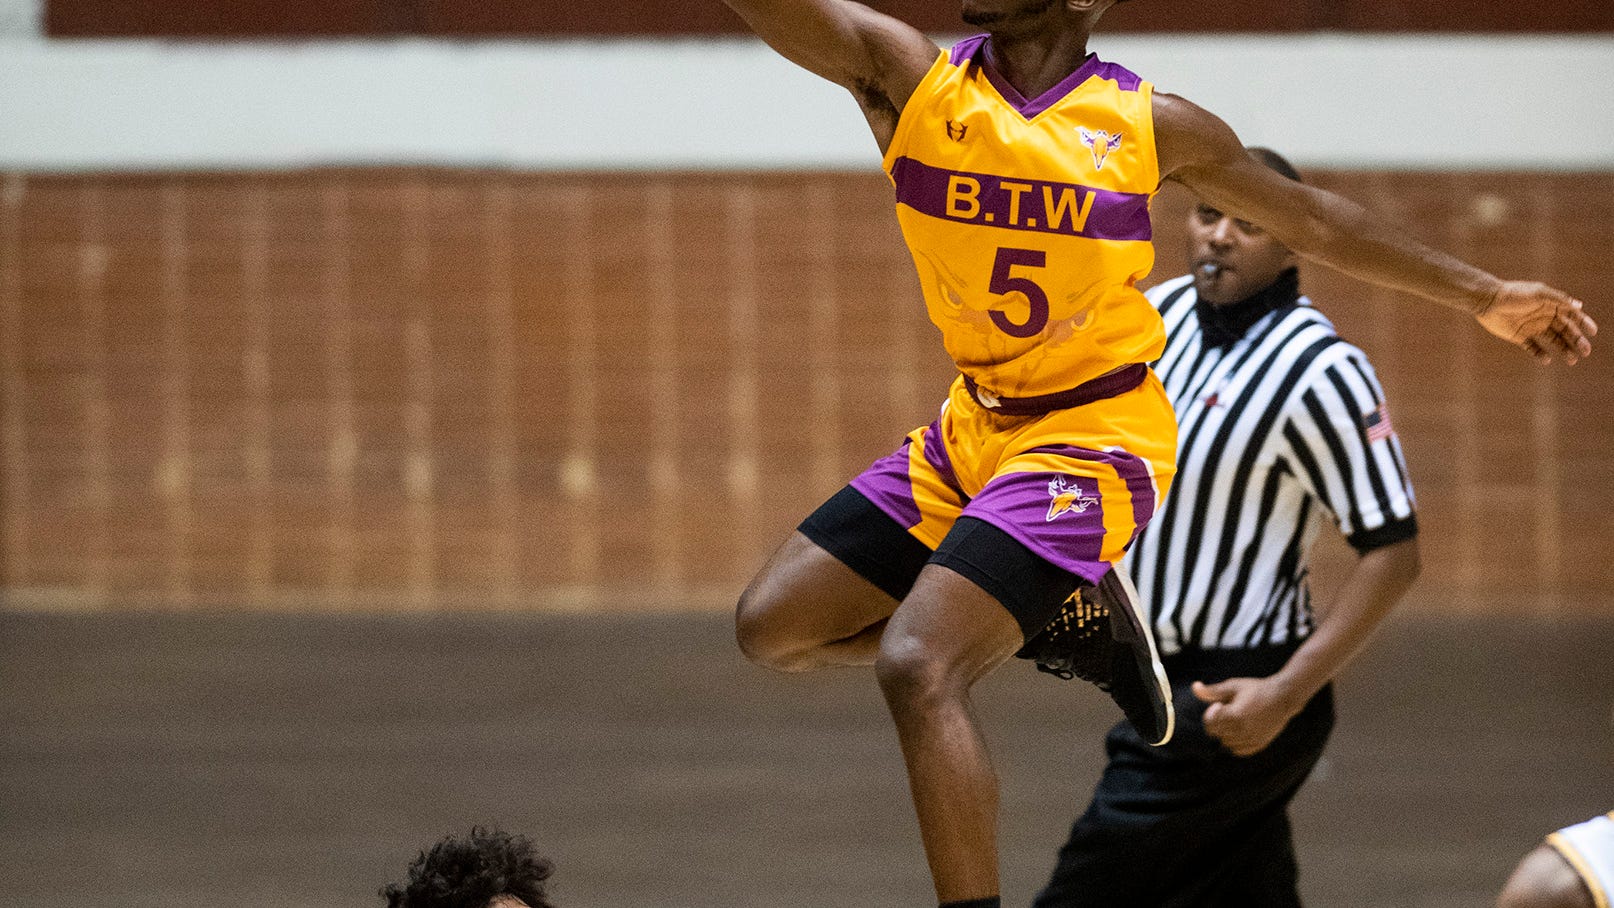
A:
(1275, 161)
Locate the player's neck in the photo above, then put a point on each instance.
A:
(1034, 63)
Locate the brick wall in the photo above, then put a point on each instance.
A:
(449, 389)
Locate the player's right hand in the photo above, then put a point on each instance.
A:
(1546, 322)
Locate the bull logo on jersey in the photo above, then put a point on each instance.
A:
(1067, 497)
(957, 131)
(1101, 142)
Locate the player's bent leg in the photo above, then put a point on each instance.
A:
(945, 636)
(823, 598)
(805, 609)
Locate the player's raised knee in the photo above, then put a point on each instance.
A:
(763, 637)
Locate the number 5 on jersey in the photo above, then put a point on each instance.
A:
(1004, 281)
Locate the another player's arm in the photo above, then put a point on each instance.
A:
(1201, 152)
(1246, 714)
(880, 59)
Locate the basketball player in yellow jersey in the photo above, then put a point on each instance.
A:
(1023, 168)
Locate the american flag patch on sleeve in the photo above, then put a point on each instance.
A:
(1377, 423)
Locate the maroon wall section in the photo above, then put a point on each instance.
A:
(244, 19)
(439, 388)
(471, 18)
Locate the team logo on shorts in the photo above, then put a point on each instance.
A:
(1101, 142)
(1067, 497)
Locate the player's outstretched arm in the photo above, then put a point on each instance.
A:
(845, 42)
(881, 60)
(1201, 152)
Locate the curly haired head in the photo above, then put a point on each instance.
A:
(473, 871)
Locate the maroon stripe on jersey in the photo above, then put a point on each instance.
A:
(1015, 203)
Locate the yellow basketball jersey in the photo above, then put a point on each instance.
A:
(1029, 220)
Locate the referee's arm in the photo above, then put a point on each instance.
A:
(1361, 479)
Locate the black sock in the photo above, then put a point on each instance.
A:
(992, 902)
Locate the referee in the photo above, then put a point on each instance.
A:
(1283, 428)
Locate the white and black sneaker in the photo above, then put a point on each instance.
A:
(1102, 636)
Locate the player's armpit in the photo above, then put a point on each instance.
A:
(846, 43)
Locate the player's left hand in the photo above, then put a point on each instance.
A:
(1245, 714)
(1546, 322)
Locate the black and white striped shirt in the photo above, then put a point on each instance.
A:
(1278, 432)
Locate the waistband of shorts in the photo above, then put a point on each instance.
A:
(1102, 388)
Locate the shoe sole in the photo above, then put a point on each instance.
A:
(1117, 589)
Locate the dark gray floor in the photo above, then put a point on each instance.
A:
(272, 760)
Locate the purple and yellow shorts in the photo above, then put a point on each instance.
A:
(1075, 486)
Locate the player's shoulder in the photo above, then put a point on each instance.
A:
(1544, 878)
(1187, 135)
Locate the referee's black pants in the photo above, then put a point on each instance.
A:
(1189, 825)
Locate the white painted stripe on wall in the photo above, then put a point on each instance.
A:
(21, 19)
(1327, 100)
